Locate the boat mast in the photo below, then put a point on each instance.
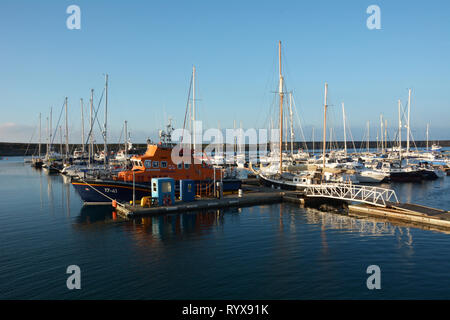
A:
(285, 125)
(67, 132)
(50, 143)
(292, 123)
(378, 144)
(409, 116)
(126, 140)
(48, 139)
(345, 133)
(399, 130)
(82, 127)
(313, 146)
(39, 135)
(281, 107)
(91, 137)
(385, 134)
(427, 135)
(193, 108)
(106, 120)
(324, 128)
(368, 136)
(382, 133)
(61, 141)
(242, 139)
(235, 139)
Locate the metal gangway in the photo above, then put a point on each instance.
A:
(376, 196)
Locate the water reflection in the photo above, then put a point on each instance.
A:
(164, 227)
(428, 193)
(55, 184)
(94, 214)
(363, 226)
(177, 225)
(267, 251)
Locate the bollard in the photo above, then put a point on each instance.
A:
(217, 195)
(240, 193)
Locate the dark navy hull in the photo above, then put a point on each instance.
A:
(96, 191)
(410, 176)
(428, 174)
(104, 191)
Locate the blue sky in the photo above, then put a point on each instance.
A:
(148, 49)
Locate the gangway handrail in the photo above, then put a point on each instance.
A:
(360, 193)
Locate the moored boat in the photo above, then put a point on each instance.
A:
(157, 162)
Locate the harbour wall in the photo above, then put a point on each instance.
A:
(25, 149)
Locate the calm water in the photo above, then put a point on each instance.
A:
(266, 252)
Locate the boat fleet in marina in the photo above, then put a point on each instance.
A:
(298, 170)
(100, 176)
(103, 176)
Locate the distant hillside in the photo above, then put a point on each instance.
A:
(25, 149)
(22, 149)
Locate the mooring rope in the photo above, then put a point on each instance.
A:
(106, 196)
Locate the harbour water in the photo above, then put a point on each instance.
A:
(277, 251)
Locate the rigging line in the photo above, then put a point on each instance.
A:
(414, 142)
(300, 123)
(120, 137)
(98, 121)
(268, 83)
(101, 192)
(362, 142)
(187, 109)
(350, 131)
(29, 142)
(270, 113)
(388, 139)
(57, 124)
(95, 117)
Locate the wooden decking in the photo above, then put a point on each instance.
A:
(256, 195)
(413, 213)
(416, 208)
(249, 199)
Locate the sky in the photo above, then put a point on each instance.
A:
(148, 49)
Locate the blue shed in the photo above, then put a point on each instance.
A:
(187, 190)
(164, 190)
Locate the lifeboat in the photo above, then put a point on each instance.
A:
(156, 162)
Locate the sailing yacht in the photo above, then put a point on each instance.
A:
(283, 172)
